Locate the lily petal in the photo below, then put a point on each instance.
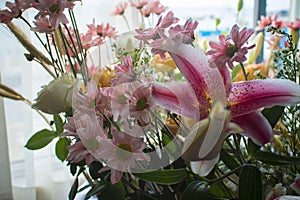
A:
(255, 126)
(178, 97)
(248, 96)
(206, 137)
(206, 81)
(203, 167)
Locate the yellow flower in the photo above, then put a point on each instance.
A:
(104, 77)
(253, 71)
(162, 65)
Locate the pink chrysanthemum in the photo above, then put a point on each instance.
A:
(231, 48)
(120, 9)
(141, 103)
(153, 7)
(266, 21)
(120, 101)
(102, 30)
(121, 154)
(139, 4)
(124, 72)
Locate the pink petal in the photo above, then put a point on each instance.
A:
(256, 126)
(206, 82)
(176, 96)
(252, 95)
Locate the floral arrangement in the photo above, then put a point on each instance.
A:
(167, 119)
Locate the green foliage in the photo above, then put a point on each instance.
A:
(60, 148)
(59, 124)
(197, 190)
(40, 139)
(250, 183)
(275, 159)
(166, 177)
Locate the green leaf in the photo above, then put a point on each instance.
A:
(178, 77)
(59, 124)
(218, 21)
(114, 192)
(197, 190)
(61, 148)
(95, 190)
(250, 183)
(220, 190)
(73, 190)
(275, 159)
(166, 177)
(252, 148)
(234, 72)
(240, 5)
(169, 144)
(228, 160)
(273, 114)
(40, 139)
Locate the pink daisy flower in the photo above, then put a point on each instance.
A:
(15, 9)
(42, 25)
(266, 21)
(141, 103)
(120, 101)
(120, 9)
(153, 7)
(124, 72)
(102, 30)
(139, 4)
(230, 49)
(121, 154)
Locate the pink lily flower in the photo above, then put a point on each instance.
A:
(243, 99)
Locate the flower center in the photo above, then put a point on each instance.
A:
(230, 51)
(91, 144)
(141, 104)
(123, 151)
(54, 8)
(122, 99)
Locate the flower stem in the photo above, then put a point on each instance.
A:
(125, 19)
(244, 71)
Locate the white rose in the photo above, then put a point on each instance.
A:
(56, 97)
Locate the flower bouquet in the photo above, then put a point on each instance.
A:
(166, 119)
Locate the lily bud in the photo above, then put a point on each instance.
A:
(56, 97)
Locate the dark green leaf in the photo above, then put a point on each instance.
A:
(59, 124)
(113, 192)
(250, 183)
(273, 114)
(219, 189)
(197, 190)
(40, 139)
(275, 159)
(73, 190)
(95, 190)
(228, 160)
(240, 5)
(166, 177)
(252, 148)
(94, 170)
(60, 148)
